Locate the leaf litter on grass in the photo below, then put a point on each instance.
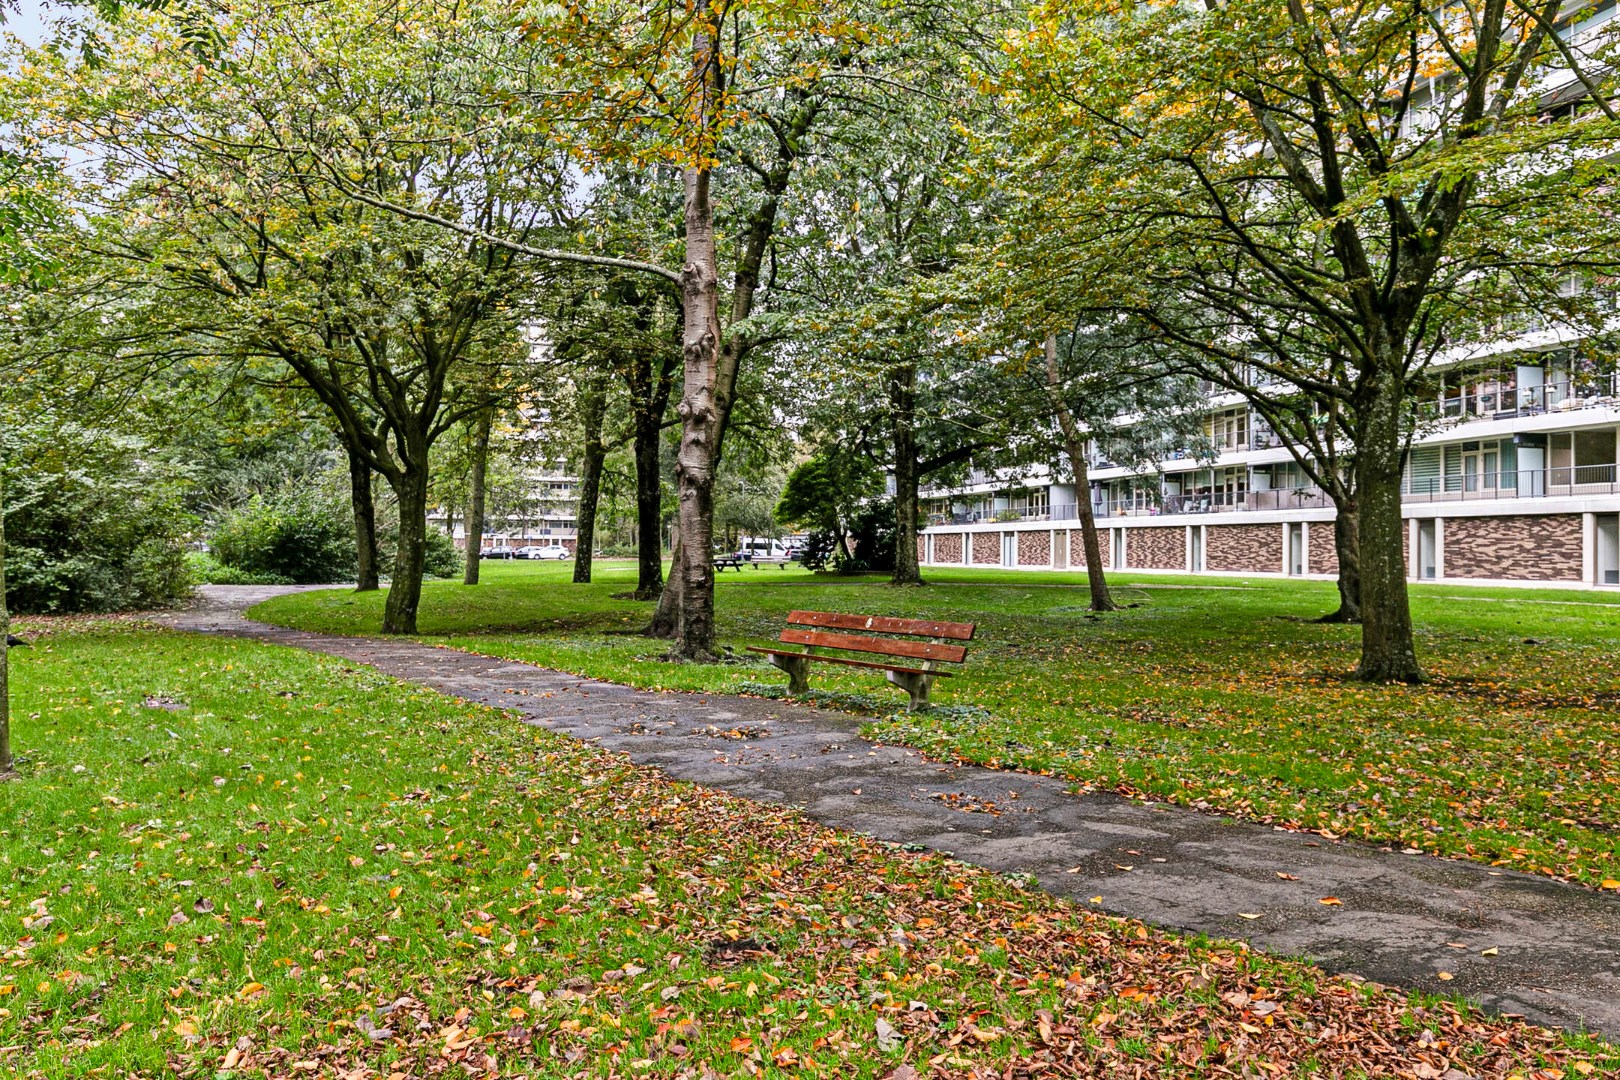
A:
(454, 893)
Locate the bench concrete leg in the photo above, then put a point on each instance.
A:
(798, 673)
(917, 686)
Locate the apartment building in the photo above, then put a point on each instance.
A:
(1510, 481)
(548, 513)
(1511, 478)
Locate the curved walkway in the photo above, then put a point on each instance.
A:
(1517, 944)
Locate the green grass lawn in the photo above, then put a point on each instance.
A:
(225, 859)
(1216, 693)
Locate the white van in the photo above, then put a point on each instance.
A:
(763, 549)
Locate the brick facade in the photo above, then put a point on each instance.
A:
(1244, 548)
(948, 548)
(987, 549)
(1528, 548)
(1322, 556)
(1035, 548)
(1156, 548)
(1077, 549)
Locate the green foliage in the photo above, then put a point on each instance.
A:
(207, 570)
(305, 538)
(93, 522)
(443, 557)
(871, 537)
(821, 493)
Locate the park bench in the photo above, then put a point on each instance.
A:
(921, 645)
(778, 561)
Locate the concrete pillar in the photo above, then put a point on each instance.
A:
(1589, 559)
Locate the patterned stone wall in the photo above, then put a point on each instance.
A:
(1077, 548)
(987, 549)
(948, 548)
(1035, 548)
(1322, 555)
(1163, 548)
(1244, 548)
(1519, 548)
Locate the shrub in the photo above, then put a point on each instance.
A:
(443, 559)
(93, 524)
(303, 538)
(871, 538)
(207, 570)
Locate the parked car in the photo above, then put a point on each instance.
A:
(544, 551)
(500, 551)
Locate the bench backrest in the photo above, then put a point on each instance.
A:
(915, 639)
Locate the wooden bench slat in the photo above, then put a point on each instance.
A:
(883, 624)
(851, 661)
(917, 650)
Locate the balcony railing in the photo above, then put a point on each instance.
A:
(1566, 481)
(1553, 397)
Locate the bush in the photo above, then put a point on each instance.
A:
(443, 558)
(819, 549)
(298, 537)
(871, 539)
(93, 524)
(207, 570)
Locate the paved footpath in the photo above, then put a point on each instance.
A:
(1403, 919)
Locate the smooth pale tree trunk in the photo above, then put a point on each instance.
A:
(1388, 652)
(649, 508)
(405, 591)
(902, 410)
(1347, 547)
(6, 767)
(593, 405)
(365, 524)
(1074, 444)
(475, 497)
(701, 420)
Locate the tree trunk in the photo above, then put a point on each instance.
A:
(1346, 545)
(405, 591)
(700, 418)
(1096, 578)
(1388, 653)
(365, 523)
(475, 497)
(902, 408)
(593, 404)
(1075, 445)
(5, 652)
(668, 614)
(649, 508)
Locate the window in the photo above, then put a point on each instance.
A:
(1423, 470)
(1229, 430)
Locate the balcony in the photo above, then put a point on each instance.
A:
(1553, 397)
(1580, 481)
(1577, 481)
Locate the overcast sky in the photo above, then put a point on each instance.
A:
(26, 19)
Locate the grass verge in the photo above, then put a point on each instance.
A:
(229, 859)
